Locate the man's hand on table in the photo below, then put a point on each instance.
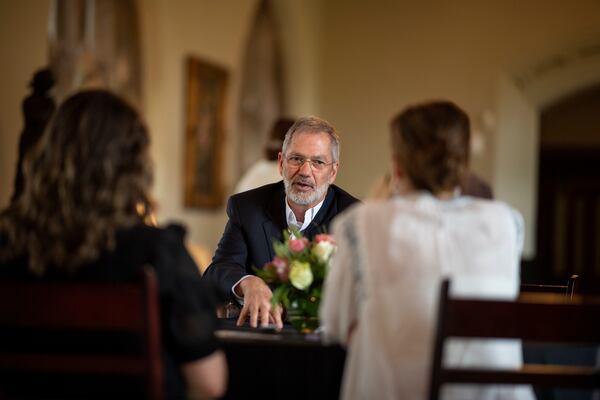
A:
(257, 303)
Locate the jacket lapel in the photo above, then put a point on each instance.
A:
(276, 222)
(326, 213)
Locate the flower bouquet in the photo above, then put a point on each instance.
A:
(296, 275)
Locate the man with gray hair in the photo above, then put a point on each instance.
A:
(306, 199)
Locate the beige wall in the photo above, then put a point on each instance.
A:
(300, 29)
(23, 26)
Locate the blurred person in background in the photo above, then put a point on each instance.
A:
(266, 170)
(37, 110)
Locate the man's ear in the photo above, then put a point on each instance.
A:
(334, 171)
(280, 163)
(397, 170)
(400, 180)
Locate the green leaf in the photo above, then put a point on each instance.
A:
(280, 296)
(319, 270)
(281, 250)
(268, 276)
(285, 300)
(295, 231)
(312, 308)
(316, 292)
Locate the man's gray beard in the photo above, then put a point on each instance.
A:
(304, 199)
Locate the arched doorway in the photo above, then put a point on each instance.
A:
(521, 100)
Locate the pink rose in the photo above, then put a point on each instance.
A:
(324, 237)
(298, 245)
(281, 268)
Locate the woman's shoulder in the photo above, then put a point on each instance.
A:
(427, 204)
(354, 215)
(495, 218)
(149, 244)
(491, 208)
(161, 247)
(151, 235)
(134, 246)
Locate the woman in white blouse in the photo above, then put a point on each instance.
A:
(380, 297)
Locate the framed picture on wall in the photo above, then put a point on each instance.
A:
(206, 86)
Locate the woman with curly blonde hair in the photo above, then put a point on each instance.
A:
(82, 217)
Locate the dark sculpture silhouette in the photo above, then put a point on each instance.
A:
(37, 109)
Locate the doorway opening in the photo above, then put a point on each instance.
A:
(568, 217)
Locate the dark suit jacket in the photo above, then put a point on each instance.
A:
(256, 218)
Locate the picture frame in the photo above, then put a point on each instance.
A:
(206, 87)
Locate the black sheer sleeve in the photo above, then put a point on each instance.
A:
(188, 303)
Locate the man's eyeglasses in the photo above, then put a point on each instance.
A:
(298, 161)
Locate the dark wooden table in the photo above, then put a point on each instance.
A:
(284, 365)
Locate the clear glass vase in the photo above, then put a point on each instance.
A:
(303, 316)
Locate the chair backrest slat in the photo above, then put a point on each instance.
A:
(119, 308)
(528, 321)
(544, 318)
(544, 375)
(69, 363)
(70, 305)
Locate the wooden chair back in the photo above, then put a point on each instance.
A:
(566, 287)
(104, 308)
(544, 318)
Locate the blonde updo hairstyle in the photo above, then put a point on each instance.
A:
(430, 142)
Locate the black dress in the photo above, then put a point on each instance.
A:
(187, 304)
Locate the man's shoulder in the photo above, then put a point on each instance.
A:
(343, 198)
(256, 199)
(258, 193)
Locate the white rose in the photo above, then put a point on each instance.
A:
(300, 275)
(323, 251)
